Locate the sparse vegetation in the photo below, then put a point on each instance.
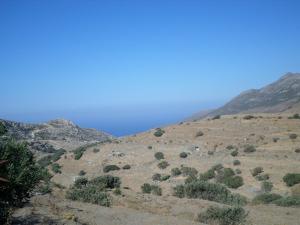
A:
(158, 132)
(293, 136)
(57, 155)
(236, 162)
(150, 147)
(223, 216)
(256, 171)
(295, 116)
(163, 165)
(199, 134)
(78, 152)
(266, 186)
(81, 173)
(159, 155)
(126, 167)
(117, 191)
(297, 150)
(266, 198)
(216, 117)
(288, 201)
(183, 155)
(271, 198)
(188, 171)
(209, 174)
(291, 179)
(109, 168)
(56, 168)
(175, 172)
(262, 177)
(234, 153)
(248, 117)
(153, 189)
(249, 149)
(210, 152)
(93, 191)
(95, 150)
(230, 147)
(156, 177)
(3, 129)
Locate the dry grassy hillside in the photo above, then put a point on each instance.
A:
(207, 143)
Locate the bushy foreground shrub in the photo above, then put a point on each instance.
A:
(153, 189)
(109, 168)
(208, 191)
(223, 216)
(159, 155)
(93, 191)
(291, 179)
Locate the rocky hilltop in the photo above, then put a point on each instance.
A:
(59, 133)
(280, 96)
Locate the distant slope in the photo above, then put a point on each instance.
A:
(282, 95)
(60, 133)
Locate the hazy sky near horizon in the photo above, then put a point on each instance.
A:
(153, 62)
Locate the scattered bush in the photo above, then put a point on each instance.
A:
(165, 177)
(230, 147)
(57, 155)
(163, 165)
(217, 167)
(150, 147)
(190, 179)
(3, 129)
(293, 136)
(95, 150)
(256, 171)
(224, 174)
(208, 191)
(183, 155)
(297, 150)
(45, 161)
(266, 186)
(156, 177)
(109, 168)
(295, 116)
(78, 152)
(158, 132)
(238, 171)
(146, 188)
(266, 198)
(117, 191)
(210, 152)
(159, 155)
(291, 179)
(233, 182)
(288, 201)
(249, 148)
(248, 117)
(209, 174)
(234, 153)
(216, 117)
(56, 168)
(199, 134)
(188, 171)
(81, 173)
(223, 216)
(126, 167)
(275, 139)
(262, 177)
(153, 189)
(175, 172)
(236, 162)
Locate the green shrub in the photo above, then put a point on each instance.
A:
(44, 188)
(249, 148)
(190, 179)
(117, 191)
(165, 177)
(126, 167)
(256, 171)
(45, 161)
(210, 152)
(248, 117)
(266, 198)
(295, 116)
(238, 171)
(291, 179)
(217, 167)
(156, 177)
(158, 132)
(236, 162)
(81, 173)
(293, 136)
(183, 155)
(208, 191)
(57, 155)
(216, 117)
(288, 201)
(230, 147)
(78, 152)
(95, 150)
(106, 182)
(297, 150)
(56, 168)
(209, 174)
(80, 182)
(234, 153)
(224, 174)
(3, 129)
(175, 172)
(262, 177)
(223, 216)
(149, 147)
(146, 188)
(159, 155)
(163, 165)
(266, 186)
(233, 182)
(188, 171)
(109, 168)
(199, 134)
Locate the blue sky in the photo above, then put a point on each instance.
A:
(125, 66)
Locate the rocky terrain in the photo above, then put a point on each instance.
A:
(53, 135)
(282, 95)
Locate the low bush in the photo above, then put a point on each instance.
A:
(266, 198)
(238, 171)
(297, 150)
(296, 190)
(45, 161)
(78, 152)
(223, 216)
(156, 177)
(217, 167)
(199, 134)
(183, 155)
(150, 147)
(159, 155)
(81, 173)
(95, 150)
(295, 116)
(146, 188)
(234, 153)
(208, 191)
(117, 191)
(266, 186)
(291, 179)
(175, 172)
(262, 177)
(158, 132)
(165, 177)
(153, 189)
(256, 171)
(57, 155)
(249, 149)
(93, 191)
(209, 174)
(248, 117)
(3, 129)
(163, 165)
(233, 182)
(216, 117)
(126, 167)
(236, 162)
(56, 168)
(210, 152)
(230, 147)
(109, 168)
(188, 171)
(190, 179)
(224, 174)
(288, 201)
(293, 136)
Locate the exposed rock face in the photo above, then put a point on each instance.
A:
(55, 134)
(279, 96)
